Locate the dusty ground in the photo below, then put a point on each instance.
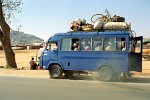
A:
(23, 57)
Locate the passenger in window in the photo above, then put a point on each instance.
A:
(55, 46)
(123, 47)
(75, 46)
(108, 47)
(98, 46)
(85, 46)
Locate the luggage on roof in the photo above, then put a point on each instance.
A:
(116, 26)
(101, 22)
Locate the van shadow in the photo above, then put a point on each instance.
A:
(82, 77)
(125, 80)
(136, 80)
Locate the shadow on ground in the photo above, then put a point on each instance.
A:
(136, 80)
(133, 79)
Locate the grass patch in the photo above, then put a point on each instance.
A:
(8, 67)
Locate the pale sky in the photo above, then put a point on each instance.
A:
(43, 18)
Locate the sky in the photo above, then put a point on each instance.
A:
(44, 18)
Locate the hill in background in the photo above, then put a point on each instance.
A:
(21, 38)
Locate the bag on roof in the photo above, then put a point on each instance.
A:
(117, 19)
(116, 26)
(75, 25)
(87, 27)
(98, 25)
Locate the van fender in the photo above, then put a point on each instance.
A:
(104, 66)
(52, 63)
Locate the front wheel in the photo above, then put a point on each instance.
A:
(106, 73)
(55, 71)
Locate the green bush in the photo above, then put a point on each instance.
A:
(8, 67)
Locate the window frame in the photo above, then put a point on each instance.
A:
(115, 43)
(86, 45)
(71, 39)
(49, 46)
(97, 38)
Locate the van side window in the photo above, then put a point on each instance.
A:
(114, 44)
(135, 46)
(138, 46)
(86, 44)
(70, 44)
(97, 44)
(132, 46)
(52, 46)
(65, 44)
(109, 43)
(120, 44)
(75, 44)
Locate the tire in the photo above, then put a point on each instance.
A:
(106, 73)
(55, 71)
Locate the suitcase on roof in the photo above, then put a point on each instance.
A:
(117, 19)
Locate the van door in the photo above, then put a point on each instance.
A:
(50, 54)
(69, 55)
(135, 54)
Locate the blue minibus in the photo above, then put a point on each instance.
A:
(108, 53)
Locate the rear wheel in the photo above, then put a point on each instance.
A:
(55, 71)
(106, 73)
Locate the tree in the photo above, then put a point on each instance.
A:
(7, 7)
